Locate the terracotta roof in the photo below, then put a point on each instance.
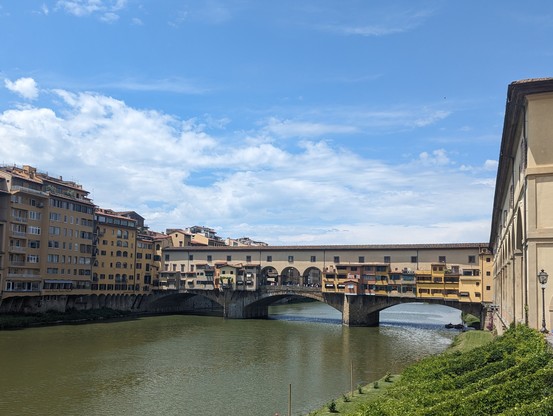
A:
(437, 246)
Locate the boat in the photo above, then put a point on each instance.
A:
(454, 326)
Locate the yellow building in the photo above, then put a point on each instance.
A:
(47, 232)
(440, 271)
(522, 221)
(125, 254)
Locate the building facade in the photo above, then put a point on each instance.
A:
(522, 222)
(47, 235)
(446, 271)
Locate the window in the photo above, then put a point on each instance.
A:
(313, 259)
(32, 258)
(167, 257)
(488, 259)
(269, 258)
(191, 257)
(33, 215)
(248, 259)
(290, 259)
(488, 273)
(336, 259)
(472, 259)
(441, 259)
(387, 259)
(34, 230)
(361, 259)
(229, 258)
(414, 259)
(209, 257)
(488, 288)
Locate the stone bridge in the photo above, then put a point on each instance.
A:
(357, 310)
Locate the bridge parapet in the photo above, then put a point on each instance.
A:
(357, 310)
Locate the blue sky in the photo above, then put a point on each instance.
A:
(291, 122)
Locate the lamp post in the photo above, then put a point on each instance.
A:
(542, 278)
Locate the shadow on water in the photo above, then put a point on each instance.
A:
(414, 315)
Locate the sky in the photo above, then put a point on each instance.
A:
(294, 122)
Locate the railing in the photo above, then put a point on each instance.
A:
(17, 249)
(19, 219)
(25, 275)
(29, 190)
(14, 233)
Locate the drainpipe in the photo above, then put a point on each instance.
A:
(525, 247)
(512, 203)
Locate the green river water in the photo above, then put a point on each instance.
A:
(196, 365)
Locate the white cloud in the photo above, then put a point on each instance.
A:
(437, 157)
(175, 174)
(174, 85)
(289, 128)
(387, 21)
(491, 165)
(105, 8)
(25, 87)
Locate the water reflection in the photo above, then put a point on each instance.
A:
(188, 365)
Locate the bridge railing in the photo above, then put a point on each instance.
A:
(289, 289)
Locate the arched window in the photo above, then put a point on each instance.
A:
(118, 265)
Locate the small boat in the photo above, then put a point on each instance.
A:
(454, 326)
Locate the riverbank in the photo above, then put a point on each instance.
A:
(54, 318)
(510, 376)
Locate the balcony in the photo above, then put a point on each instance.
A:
(27, 275)
(21, 234)
(19, 219)
(29, 190)
(17, 262)
(16, 249)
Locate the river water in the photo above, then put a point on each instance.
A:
(196, 365)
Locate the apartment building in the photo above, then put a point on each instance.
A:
(125, 256)
(47, 234)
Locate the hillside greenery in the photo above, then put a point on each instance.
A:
(512, 375)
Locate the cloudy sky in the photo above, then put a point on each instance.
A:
(290, 121)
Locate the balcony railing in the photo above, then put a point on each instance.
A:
(17, 249)
(25, 275)
(29, 190)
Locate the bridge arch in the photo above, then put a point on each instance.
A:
(269, 276)
(291, 276)
(312, 276)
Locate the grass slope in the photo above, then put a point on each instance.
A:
(513, 375)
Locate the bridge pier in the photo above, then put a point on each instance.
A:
(357, 312)
(236, 305)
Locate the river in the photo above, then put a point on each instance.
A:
(198, 365)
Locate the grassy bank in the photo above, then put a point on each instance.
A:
(53, 317)
(510, 375)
